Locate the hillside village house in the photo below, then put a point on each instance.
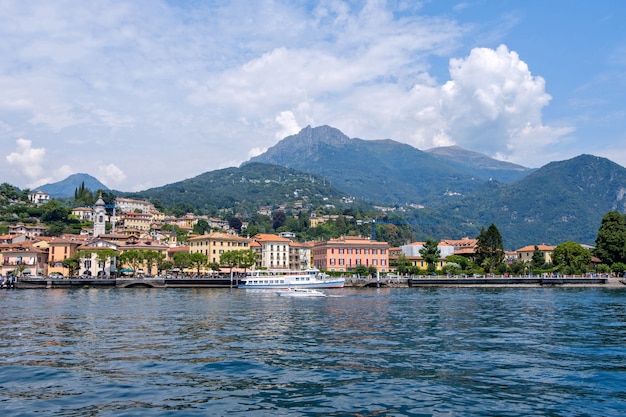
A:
(83, 213)
(28, 231)
(38, 197)
(345, 253)
(126, 205)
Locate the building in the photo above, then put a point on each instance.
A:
(126, 205)
(272, 251)
(525, 254)
(28, 231)
(345, 253)
(212, 245)
(38, 197)
(83, 213)
(136, 221)
(99, 217)
(300, 255)
(60, 249)
(23, 259)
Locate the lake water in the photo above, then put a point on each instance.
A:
(360, 352)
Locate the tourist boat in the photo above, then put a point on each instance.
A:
(309, 278)
(300, 292)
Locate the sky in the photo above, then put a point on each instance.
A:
(143, 93)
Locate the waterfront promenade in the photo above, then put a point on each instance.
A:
(385, 281)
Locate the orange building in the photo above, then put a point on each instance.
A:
(345, 253)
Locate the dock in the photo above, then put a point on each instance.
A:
(142, 282)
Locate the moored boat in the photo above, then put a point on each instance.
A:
(309, 278)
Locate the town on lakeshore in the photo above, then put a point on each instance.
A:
(131, 240)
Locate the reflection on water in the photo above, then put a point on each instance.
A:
(396, 352)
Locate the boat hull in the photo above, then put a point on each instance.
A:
(310, 278)
(320, 285)
(300, 292)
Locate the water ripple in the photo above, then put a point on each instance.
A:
(375, 352)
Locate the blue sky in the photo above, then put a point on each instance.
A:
(145, 93)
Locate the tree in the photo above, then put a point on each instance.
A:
(201, 227)
(152, 257)
(611, 238)
(403, 265)
(72, 264)
(619, 268)
(278, 219)
(182, 260)
(235, 223)
(431, 254)
(103, 256)
(538, 259)
(247, 258)
(571, 258)
(132, 258)
(360, 270)
(197, 260)
(54, 211)
(489, 248)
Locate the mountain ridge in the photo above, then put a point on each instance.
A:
(563, 200)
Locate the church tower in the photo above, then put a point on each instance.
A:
(99, 216)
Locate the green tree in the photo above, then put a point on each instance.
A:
(247, 258)
(619, 268)
(611, 238)
(462, 261)
(197, 260)
(403, 265)
(182, 260)
(538, 259)
(103, 256)
(278, 219)
(133, 259)
(151, 258)
(235, 223)
(54, 211)
(164, 265)
(201, 227)
(431, 254)
(72, 263)
(571, 258)
(360, 270)
(489, 248)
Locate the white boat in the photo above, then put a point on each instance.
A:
(309, 278)
(300, 292)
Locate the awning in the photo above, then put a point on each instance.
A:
(126, 271)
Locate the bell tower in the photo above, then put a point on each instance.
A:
(99, 216)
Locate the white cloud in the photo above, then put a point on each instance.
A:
(111, 174)
(288, 124)
(26, 159)
(120, 80)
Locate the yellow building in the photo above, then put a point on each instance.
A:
(214, 244)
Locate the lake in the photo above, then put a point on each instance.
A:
(357, 352)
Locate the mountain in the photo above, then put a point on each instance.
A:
(481, 165)
(66, 188)
(561, 201)
(244, 190)
(384, 170)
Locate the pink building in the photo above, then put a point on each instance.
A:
(346, 252)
